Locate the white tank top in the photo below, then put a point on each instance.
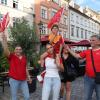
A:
(51, 67)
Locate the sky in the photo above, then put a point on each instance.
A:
(94, 4)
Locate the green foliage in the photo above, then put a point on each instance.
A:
(3, 60)
(1, 49)
(34, 60)
(24, 34)
(3, 63)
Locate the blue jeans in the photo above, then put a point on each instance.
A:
(14, 85)
(51, 83)
(90, 86)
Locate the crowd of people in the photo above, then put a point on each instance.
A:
(60, 64)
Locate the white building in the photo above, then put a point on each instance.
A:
(81, 25)
(17, 9)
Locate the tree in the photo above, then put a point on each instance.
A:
(3, 60)
(24, 34)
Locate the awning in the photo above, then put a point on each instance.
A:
(44, 39)
(81, 43)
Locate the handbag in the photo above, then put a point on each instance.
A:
(81, 68)
(71, 71)
(97, 74)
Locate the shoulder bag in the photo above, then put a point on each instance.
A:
(97, 74)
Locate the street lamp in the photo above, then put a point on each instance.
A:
(40, 24)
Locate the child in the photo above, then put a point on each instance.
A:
(56, 40)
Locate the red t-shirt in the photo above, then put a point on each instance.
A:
(89, 68)
(17, 67)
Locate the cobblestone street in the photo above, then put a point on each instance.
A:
(77, 92)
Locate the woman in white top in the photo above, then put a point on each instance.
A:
(52, 81)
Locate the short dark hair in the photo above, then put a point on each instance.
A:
(17, 45)
(96, 36)
(55, 25)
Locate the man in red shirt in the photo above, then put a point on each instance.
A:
(89, 82)
(18, 70)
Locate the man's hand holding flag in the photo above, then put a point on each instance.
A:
(4, 22)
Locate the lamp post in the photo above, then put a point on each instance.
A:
(40, 25)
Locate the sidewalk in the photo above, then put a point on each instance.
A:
(77, 92)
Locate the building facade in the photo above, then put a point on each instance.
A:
(17, 9)
(76, 23)
(81, 24)
(45, 10)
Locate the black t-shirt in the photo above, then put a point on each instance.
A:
(68, 62)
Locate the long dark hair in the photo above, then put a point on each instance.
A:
(62, 52)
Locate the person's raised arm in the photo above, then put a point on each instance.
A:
(59, 63)
(72, 52)
(4, 45)
(42, 57)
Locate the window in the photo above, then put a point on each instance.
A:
(64, 35)
(15, 4)
(53, 13)
(72, 30)
(85, 34)
(44, 29)
(14, 21)
(81, 20)
(89, 24)
(65, 20)
(44, 12)
(86, 23)
(72, 17)
(81, 33)
(77, 31)
(4, 2)
(77, 19)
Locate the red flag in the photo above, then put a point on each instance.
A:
(55, 18)
(4, 22)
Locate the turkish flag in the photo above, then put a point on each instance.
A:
(4, 22)
(55, 18)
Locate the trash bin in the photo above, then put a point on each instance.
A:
(32, 86)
